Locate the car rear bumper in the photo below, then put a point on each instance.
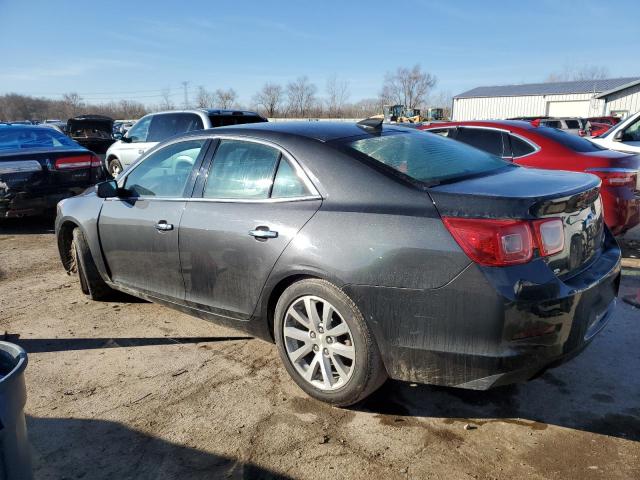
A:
(29, 203)
(488, 327)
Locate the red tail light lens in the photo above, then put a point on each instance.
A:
(549, 236)
(617, 177)
(80, 161)
(492, 242)
(498, 243)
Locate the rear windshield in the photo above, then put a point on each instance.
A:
(572, 142)
(428, 158)
(18, 138)
(224, 120)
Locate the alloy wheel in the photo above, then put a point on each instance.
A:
(319, 343)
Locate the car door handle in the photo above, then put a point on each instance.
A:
(262, 233)
(163, 226)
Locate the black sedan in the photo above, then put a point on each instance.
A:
(40, 166)
(364, 251)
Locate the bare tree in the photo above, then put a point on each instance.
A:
(269, 98)
(301, 94)
(166, 103)
(73, 103)
(407, 86)
(204, 98)
(574, 73)
(337, 96)
(225, 99)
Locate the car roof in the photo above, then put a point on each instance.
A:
(505, 124)
(317, 130)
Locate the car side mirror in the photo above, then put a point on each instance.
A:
(109, 189)
(118, 136)
(619, 135)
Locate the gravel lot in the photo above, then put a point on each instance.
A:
(134, 390)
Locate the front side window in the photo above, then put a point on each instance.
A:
(488, 140)
(138, 133)
(165, 173)
(572, 123)
(427, 158)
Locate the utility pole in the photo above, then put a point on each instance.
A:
(186, 94)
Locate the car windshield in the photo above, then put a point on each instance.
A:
(428, 158)
(17, 138)
(572, 142)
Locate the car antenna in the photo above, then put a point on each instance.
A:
(374, 122)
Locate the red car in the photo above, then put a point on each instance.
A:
(598, 128)
(543, 147)
(611, 121)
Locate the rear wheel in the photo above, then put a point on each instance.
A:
(115, 167)
(325, 344)
(91, 282)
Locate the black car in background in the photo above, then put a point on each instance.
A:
(364, 251)
(40, 166)
(94, 132)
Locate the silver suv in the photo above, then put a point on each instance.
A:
(156, 127)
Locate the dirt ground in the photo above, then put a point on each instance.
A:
(134, 390)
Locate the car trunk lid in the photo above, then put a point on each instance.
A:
(530, 194)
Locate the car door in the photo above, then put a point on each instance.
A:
(139, 230)
(253, 201)
(135, 142)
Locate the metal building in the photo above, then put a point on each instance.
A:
(588, 98)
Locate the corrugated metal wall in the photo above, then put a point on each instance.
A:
(626, 100)
(491, 108)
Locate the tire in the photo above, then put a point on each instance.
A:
(317, 360)
(114, 167)
(91, 282)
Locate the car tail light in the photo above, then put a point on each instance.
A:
(549, 235)
(492, 242)
(80, 161)
(617, 177)
(499, 242)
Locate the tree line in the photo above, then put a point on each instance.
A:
(299, 98)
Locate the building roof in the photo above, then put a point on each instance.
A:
(551, 88)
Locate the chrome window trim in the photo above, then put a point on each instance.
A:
(217, 200)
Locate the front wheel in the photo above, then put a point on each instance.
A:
(325, 344)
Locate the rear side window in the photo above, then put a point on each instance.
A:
(488, 140)
(287, 182)
(572, 142)
(443, 132)
(427, 158)
(242, 170)
(224, 120)
(519, 147)
(167, 125)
